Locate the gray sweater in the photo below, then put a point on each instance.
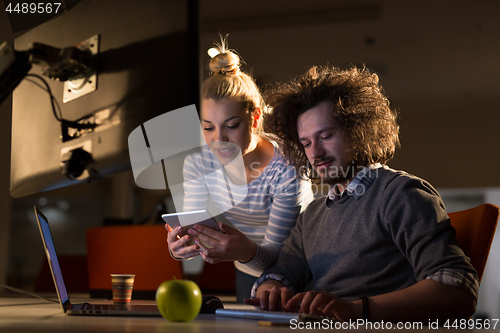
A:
(394, 235)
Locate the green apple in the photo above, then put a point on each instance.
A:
(178, 300)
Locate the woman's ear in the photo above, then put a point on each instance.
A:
(256, 117)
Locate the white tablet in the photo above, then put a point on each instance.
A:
(189, 219)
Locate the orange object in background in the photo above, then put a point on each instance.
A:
(475, 231)
(133, 249)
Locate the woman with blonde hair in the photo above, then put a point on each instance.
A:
(245, 173)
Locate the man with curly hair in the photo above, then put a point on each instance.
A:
(380, 245)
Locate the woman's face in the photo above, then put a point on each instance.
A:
(227, 127)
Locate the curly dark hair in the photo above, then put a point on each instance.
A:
(359, 106)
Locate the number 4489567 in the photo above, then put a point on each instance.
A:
(32, 8)
(471, 324)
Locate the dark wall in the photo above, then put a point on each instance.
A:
(437, 60)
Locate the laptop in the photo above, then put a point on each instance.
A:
(62, 294)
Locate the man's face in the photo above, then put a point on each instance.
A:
(324, 144)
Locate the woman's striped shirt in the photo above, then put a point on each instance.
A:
(264, 210)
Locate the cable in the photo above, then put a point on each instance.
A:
(52, 98)
(27, 293)
(67, 123)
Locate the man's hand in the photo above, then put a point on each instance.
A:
(271, 295)
(227, 244)
(323, 303)
(274, 296)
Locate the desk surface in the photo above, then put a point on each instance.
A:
(35, 315)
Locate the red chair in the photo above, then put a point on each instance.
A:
(475, 230)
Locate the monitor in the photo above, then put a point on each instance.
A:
(147, 63)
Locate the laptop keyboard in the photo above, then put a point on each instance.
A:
(102, 307)
(268, 315)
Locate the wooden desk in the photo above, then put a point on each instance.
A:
(34, 315)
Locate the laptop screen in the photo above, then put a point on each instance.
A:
(52, 257)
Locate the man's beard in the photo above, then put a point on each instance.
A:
(335, 174)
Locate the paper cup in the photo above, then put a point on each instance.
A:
(122, 288)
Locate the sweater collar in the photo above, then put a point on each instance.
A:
(357, 187)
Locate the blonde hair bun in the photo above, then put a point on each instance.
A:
(228, 81)
(225, 63)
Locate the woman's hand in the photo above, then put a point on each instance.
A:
(221, 245)
(178, 245)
